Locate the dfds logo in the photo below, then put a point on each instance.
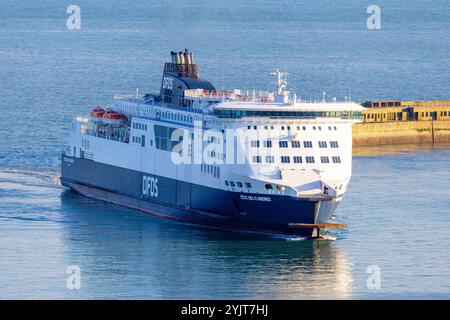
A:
(150, 186)
(167, 83)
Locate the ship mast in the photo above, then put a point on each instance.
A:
(282, 95)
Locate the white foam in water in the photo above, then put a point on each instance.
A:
(29, 177)
(327, 237)
(323, 236)
(296, 239)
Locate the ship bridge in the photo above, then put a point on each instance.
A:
(305, 110)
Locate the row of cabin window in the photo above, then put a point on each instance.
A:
(233, 184)
(443, 114)
(296, 159)
(215, 155)
(176, 117)
(294, 144)
(289, 128)
(210, 169)
(139, 126)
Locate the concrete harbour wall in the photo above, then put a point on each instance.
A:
(387, 133)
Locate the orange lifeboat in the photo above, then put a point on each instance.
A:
(97, 113)
(112, 117)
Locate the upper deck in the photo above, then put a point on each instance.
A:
(182, 89)
(227, 105)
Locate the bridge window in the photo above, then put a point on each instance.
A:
(248, 185)
(223, 113)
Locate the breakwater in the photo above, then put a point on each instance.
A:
(387, 133)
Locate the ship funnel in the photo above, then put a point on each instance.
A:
(181, 55)
(182, 64)
(173, 56)
(186, 57)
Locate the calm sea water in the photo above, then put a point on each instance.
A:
(397, 206)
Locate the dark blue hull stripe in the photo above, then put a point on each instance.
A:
(188, 202)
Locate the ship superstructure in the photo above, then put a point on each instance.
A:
(243, 160)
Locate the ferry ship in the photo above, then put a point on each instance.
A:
(251, 161)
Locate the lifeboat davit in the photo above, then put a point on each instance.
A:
(97, 114)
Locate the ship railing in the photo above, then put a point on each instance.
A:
(88, 155)
(120, 134)
(407, 119)
(235, 95)
(199, 110)
(136, 96)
